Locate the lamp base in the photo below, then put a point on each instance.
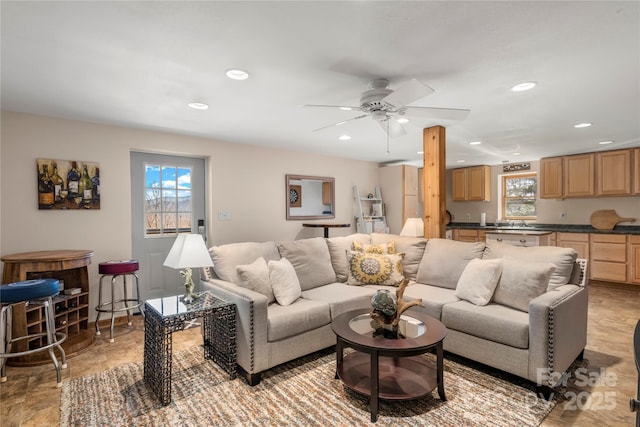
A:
(189, 286)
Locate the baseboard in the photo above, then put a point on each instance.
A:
(614, 285)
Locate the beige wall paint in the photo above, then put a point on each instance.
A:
(247, 180)
(578, 211)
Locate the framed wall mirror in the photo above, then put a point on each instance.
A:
(310, 197)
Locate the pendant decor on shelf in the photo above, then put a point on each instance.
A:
(516, 167)
(387, 308)
(68, 184)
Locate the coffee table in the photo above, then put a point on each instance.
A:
(386, 367)
(163, 316)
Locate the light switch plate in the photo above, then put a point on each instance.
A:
(224, 215)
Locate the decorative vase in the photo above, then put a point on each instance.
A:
(384, 302)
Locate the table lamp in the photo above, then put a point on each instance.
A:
(188, 251)
(414, 227)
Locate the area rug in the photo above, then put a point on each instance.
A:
(302, 393)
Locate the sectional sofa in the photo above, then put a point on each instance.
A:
(521, 310)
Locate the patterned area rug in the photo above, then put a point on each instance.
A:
(303, 392)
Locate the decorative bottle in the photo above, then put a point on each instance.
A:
(58, 184)
(45, 189)
(85, 188)
(96, 186)
(73, 181)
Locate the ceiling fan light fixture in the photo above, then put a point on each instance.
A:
(237, 74)
(198, 105)
(521, 87)
(402, 120)
(582, 125)
(605, 142)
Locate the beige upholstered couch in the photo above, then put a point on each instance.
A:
(530, 339)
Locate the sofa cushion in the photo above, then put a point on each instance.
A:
(374, 269)
(493, 322)
(411, 247)
(521, 282)
(562, 258)
(337, 249)
(255, 276)
(341, 297)
(479, 280)
(284, 281)
(227, 257)
(382, 248)
(302, 316)
(311, 259)
(444, 261)
(433, 297)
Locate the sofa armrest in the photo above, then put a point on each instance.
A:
(251, 318)
(557, 332)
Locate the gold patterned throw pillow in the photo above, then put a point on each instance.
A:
(374, 269)
(382, 248)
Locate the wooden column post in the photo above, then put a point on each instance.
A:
(434, 181)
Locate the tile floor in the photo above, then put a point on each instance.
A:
(30, 396)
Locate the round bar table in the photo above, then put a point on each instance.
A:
(326, 226)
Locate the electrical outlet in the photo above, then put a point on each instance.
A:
(468, 217)
(563, 215)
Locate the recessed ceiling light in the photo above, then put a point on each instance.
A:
(345, 108)
(341, 123)
(516, 154)
(523, 86)
(198, 105)
(403, 120)
(582, 125)
(420, 152)
(460, 161)
(237, 74)
(344, 137)
(605, 142)
(475, 143)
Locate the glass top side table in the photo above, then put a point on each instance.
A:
(163, 316)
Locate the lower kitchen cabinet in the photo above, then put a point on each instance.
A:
(608, 257)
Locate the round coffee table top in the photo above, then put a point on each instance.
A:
(416, 330)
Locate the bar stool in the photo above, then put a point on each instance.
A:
(33, 292)
(117, 269)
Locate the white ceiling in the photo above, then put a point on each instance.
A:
(138, 64)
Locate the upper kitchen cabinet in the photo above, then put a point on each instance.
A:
(471, 184)
(579, 175)
(613, 176)
(551, 178)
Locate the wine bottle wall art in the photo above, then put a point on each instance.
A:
(68, 184)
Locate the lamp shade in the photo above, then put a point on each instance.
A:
(414, 227)
(188, 250)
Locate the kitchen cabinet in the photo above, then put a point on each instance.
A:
(608, 257)
(577, 241)
(551, 178)
(636, 171)
(471, 184)
(399, 184)
(613, 173)
(634, 259)
(579, 175)
(327, 193)
(464, 235)
(519, 239)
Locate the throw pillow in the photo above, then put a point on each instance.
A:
(444, 261)
(337, 246)
(411, 247)
(311, 260)
(479, 280)
(255, 276)
(521, 282)
(374, 269)
(383, 248)
(284, 281)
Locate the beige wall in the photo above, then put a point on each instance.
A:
(578, 211)
(247, 180)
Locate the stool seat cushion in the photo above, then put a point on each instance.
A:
(28, 289)
(118, 267)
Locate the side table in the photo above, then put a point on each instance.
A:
(163, 316)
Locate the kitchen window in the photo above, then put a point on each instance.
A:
(519, 196)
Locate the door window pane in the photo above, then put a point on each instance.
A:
(168, 205)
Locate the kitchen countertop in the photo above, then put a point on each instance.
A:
(520, 232)
(562, 228)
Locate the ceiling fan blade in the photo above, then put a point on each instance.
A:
(395, 128)
(339, 107)
(435, 113)
(407, 93)
(341, 123)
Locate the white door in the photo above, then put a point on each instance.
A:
(167, 198)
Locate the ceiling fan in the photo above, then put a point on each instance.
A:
(386, 105)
